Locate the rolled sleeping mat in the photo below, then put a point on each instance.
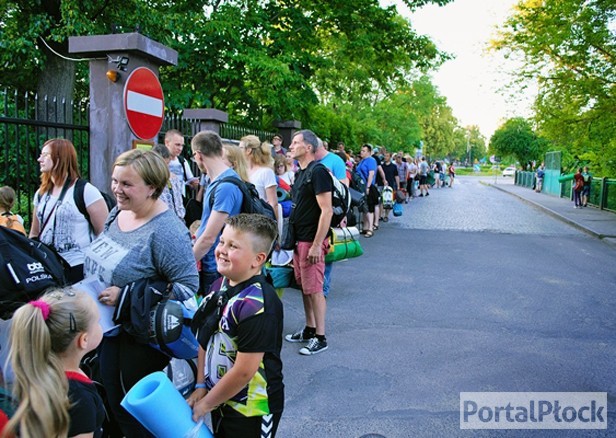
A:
(567, 177)
(161, 409)
(343, 251)
(282, 194)
(344, 234)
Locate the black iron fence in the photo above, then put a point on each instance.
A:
(28, 120)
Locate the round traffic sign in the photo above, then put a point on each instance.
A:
(144, 103)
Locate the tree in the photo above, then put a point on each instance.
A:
(569, 46)
(469, 144)
(257, 60)
(516, 138)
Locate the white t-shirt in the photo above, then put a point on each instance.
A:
(262, 178)
(67, 229)
(288, 177)
(175, 166)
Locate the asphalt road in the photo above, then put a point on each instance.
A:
(470, 290)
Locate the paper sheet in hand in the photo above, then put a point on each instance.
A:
(93, 287)
(190, 180)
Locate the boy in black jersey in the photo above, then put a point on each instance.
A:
(239, 378)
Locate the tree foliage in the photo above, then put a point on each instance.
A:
(569, 46)
(516, 138)
(348, 68)
(469, 145)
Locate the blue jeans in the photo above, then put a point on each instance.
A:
(328, 278)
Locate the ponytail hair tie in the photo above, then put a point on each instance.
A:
(45, 309)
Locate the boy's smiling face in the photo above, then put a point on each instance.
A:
(236, 258)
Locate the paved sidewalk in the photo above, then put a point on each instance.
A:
(598, 223)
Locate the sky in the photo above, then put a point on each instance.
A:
(471, 81)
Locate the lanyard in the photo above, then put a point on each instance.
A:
(67, 184)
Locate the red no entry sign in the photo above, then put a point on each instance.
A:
(144, 103)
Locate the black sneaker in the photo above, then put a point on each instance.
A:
(314, 346)
(297, 337)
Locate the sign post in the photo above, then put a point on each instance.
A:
(126, 99)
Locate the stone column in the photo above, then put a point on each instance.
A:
(287, 129)
(110, 134)
(205, 119)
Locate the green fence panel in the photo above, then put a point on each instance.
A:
(609, 196)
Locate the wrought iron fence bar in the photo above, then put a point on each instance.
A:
(42, 123)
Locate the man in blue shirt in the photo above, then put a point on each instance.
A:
(337, 167)
(367, 168)
(207, 152)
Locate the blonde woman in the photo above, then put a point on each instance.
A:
(234, 157)
(143, 239)
(261, 169)
(49, 337)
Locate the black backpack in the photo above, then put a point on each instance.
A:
(341, 197)
(27, 269)
(357, 182)
(81, 203)
(251, 202)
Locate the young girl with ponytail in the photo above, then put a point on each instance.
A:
(49, 337)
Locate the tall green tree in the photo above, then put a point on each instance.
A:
(257, 60)
(516, 138)
(569, 47)
(470, 144)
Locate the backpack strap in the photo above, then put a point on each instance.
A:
(227, 179)
(80, 202)
(182, 161)
(67, 184)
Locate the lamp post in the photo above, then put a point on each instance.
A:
(468, 147)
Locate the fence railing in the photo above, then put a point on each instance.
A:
(234, 132)
(26, 122)
(602, 190)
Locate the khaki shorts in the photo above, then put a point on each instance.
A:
(309, 276)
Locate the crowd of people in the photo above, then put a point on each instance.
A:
(189, 231)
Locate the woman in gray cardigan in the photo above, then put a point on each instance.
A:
(142, 239)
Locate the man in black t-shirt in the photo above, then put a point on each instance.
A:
(310, 221)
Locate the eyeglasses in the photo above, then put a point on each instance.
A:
(44, 155)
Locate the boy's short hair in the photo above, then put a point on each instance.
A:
(263, 230)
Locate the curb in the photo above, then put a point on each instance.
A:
(554, 214)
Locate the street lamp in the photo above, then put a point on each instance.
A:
(468, 147)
